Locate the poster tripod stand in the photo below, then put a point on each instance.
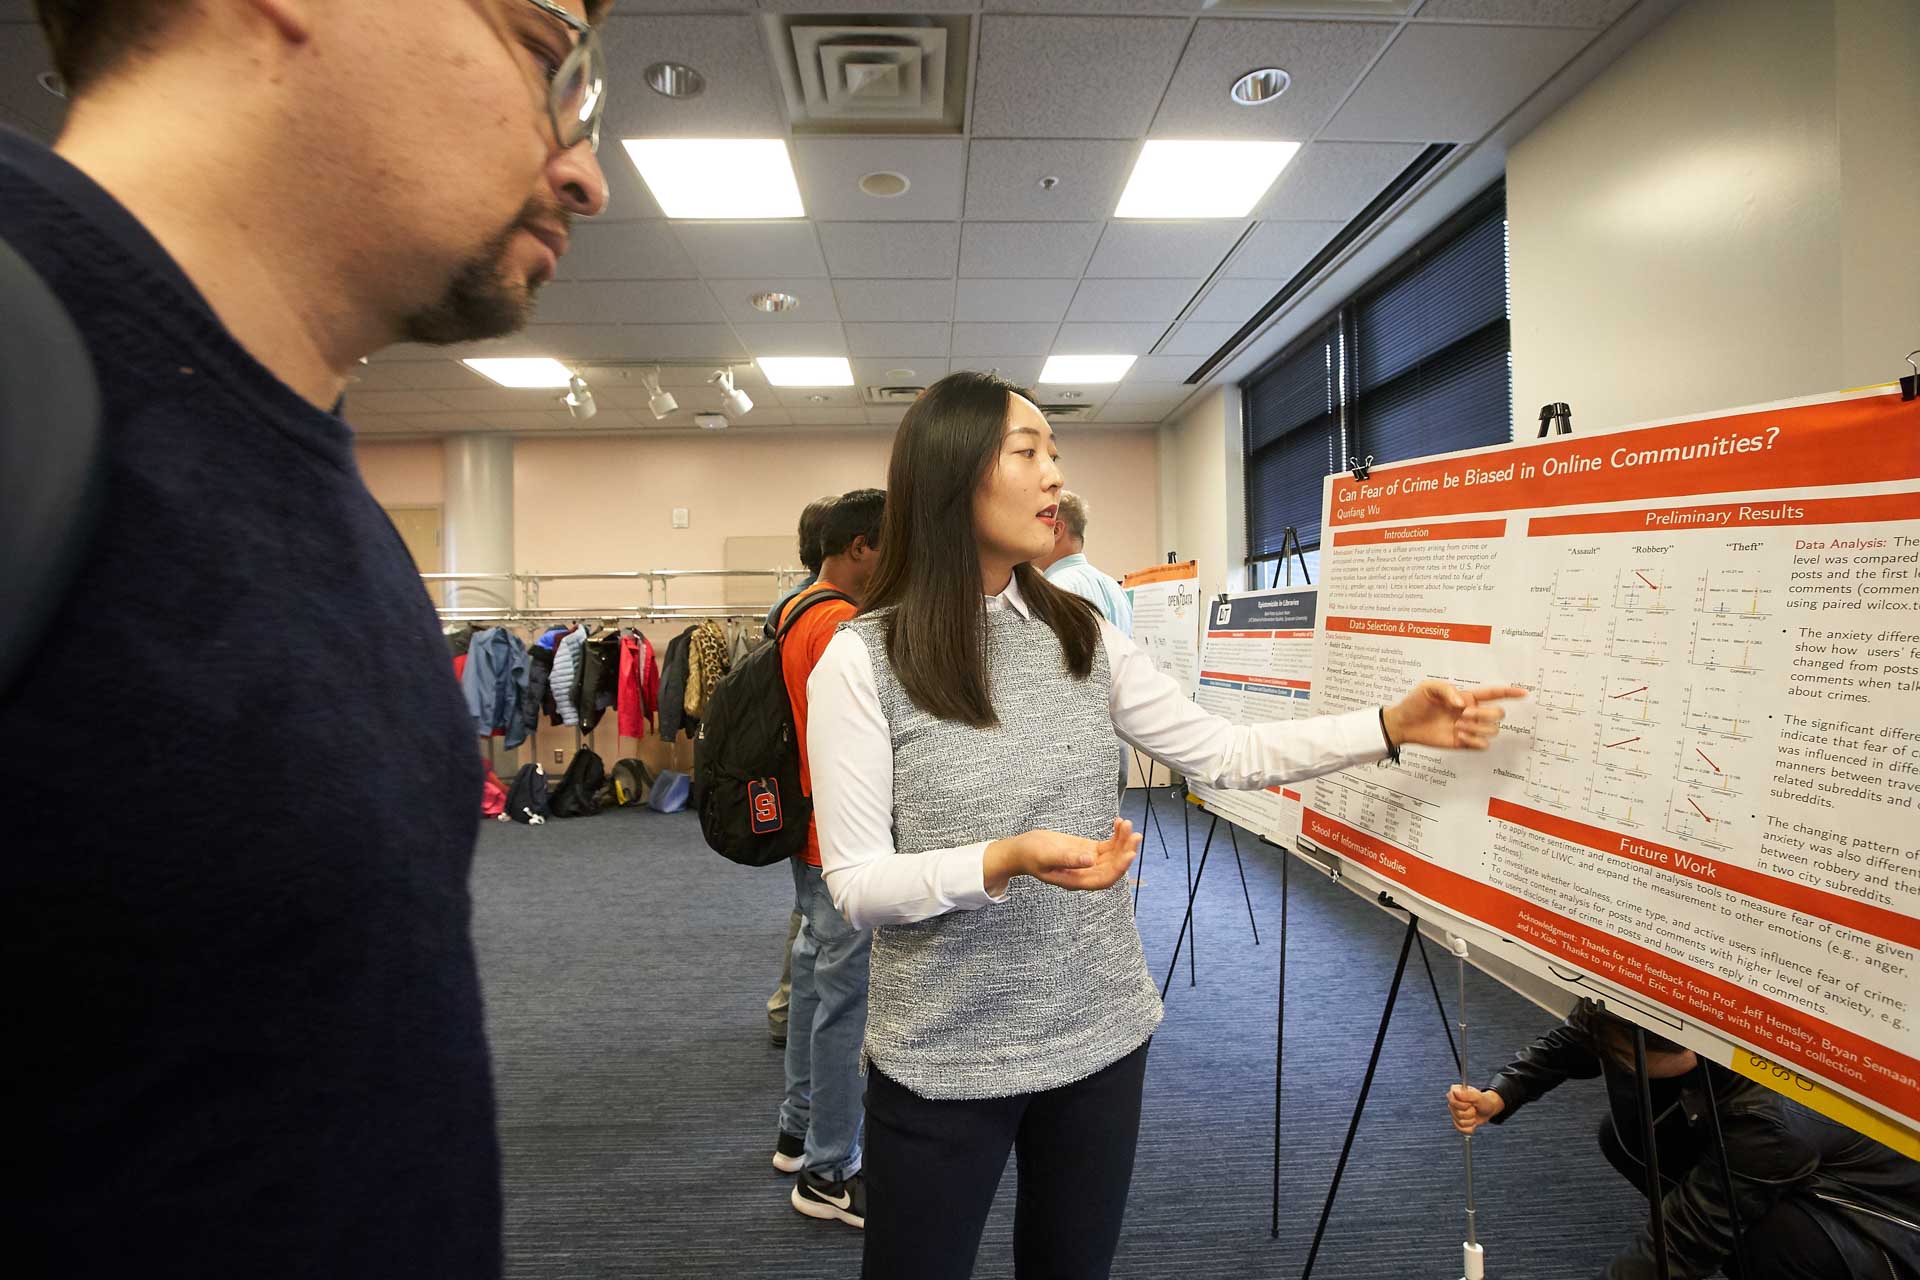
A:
(1473, 1258)
(1193, 891)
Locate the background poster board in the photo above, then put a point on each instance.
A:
(1705, 812)
(1166, 618)
(1256, 664)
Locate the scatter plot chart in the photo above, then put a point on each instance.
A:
(1713, 818)
(1736, 593)
(1642, 590)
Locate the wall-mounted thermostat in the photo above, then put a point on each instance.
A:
(679, 517)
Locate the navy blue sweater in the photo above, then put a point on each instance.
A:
(242, 1019)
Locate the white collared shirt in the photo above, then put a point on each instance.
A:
(851, 750)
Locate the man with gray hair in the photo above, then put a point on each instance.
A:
(1069, 569)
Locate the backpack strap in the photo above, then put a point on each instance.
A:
(802, 605)
(51, 480)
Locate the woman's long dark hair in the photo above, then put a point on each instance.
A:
(929, 570)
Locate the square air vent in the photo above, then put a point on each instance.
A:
(1067, 412)
(871, 74)
(892, 395)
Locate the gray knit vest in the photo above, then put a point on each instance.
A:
(1050, 985)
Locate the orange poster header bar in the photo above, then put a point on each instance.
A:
(1873, 439)
(1461, 531)
(1162, 573)
(1460, 632)
(1732, 515)
(1841, 910)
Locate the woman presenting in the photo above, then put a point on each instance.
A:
(961, 735)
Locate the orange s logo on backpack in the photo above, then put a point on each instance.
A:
(763, 804)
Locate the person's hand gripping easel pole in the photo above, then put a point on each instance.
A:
(1472, 1256)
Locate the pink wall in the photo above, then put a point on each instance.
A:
(403, 473)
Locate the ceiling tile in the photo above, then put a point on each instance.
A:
(1540, 13)
(793, 339)
(1090, 394)
(1031, 300)
(1132, 300)
(763, 415)
(891, 250)
(625, 251)
(1333, 181)
(886, 415)
(695, 375)
(1035, 250)
(1161, 369)
(1236, 300)
(817, 397)
(893, 340)
(1487, 71)
(727, 50)
(827, 417)
(1201, 338)
(895, 299)
(1146, 415)
(830, 170)
(565, 342)
(1325, 60)
(1277, 250)
(628, 301)
(1004, 177)
(1151, 394)
(742, 250)
(1098, 6)
(1107, 339)
(1163, 249)
(735, 298)
(1022, 370)
(418, 375)
(875, 371)
(679, 342)
(971, 342)
(382, 403)
(627, 194)
(1096, 77)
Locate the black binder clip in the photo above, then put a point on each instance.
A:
(1910, 382)
(1361, 470)
(1556, 418)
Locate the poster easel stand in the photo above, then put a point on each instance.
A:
(1149, 818)
(1193, 892)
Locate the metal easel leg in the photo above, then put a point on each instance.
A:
(1650, 1157)
(1243, 884)
(1279, 1044)
(1187, 923)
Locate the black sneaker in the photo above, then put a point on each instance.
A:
(789, 1152)
(814, 1196)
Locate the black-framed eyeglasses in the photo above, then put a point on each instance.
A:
(577, 92)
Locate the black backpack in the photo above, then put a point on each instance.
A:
(527, 797)
(746, 758)
(578, 794)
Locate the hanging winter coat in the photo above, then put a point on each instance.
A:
(673, 686)
(538, 697)
(494, 684)
(566, 667)
(639, 698)
(598, 679)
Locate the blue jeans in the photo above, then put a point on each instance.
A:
(826, 1023)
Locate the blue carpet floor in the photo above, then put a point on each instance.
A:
(626, 969)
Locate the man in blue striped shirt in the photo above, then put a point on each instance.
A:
(1069, 568)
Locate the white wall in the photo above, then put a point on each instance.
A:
(1202, 490)
(1727, 215)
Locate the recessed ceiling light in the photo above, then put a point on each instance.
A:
(718, 177)
(675, 80)
(886, 185)
(807, 371)
(1202, 179)
(1258, 87)
(522, 371)
(816, 399)
(1085, 369)
(899, 375)
(774, 302)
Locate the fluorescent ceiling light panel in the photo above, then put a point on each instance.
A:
(806, 371)
(718, 177)
(1086, 369)
(1202, 179)
(522, 371)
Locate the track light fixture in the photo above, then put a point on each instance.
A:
(579, 398)
(662, 402)
(732, 400)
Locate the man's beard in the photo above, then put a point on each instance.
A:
(479, 302)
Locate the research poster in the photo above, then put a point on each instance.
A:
(1256, 664)
(1166, 618)
(1709, 799)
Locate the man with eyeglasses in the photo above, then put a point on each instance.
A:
(243, 1022)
